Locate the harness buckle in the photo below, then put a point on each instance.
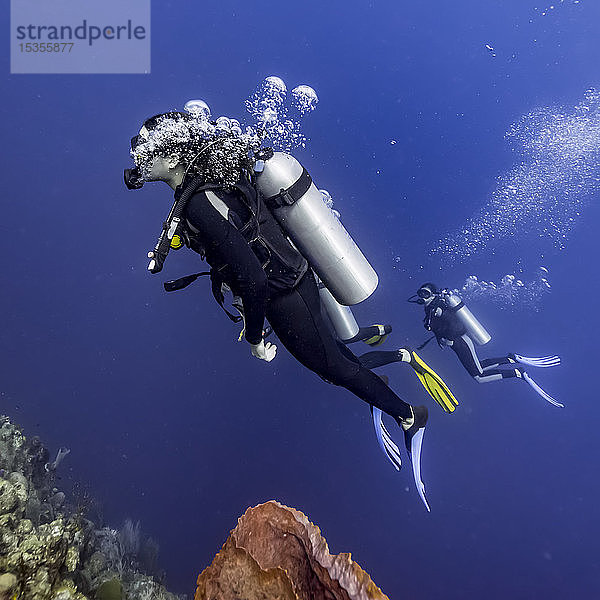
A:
(286, 197)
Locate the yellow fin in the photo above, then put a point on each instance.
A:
(433, 383)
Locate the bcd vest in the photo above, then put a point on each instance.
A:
(244, 208)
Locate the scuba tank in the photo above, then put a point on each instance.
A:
(298, 207)
(341, 317)
(475, 330)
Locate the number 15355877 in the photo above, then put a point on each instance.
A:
(59, 47)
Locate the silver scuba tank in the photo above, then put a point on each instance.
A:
(341, 317)
(475, 330)
(298, 206)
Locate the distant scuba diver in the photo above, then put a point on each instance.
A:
(262, 226)
(455, 326)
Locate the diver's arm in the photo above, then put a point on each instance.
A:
(227, 251)
(427, 319)
(434, 311)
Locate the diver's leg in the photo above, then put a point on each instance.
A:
(465, 350)
(434, 385)
(380, 358)
(494, 363)
(372, 335)
(496, 375)
(297, 320)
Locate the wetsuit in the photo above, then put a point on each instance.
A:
(283, 289)
(449, 331)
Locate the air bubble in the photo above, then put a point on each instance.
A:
(276, 85)
(270, 108)
(542, 196)
(198, 108)
(305, 99)
(510, 291)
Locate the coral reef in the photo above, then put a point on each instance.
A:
(275, 552)
(51, 552)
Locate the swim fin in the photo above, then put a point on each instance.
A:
(413, 438)
(415, 459)
(433, 383)
(540, 391)
(385, 440)
(377, 339)
(541, 361)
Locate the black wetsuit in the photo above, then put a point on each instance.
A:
(449, 331)
(283, 289)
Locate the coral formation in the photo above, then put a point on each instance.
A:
(276, 552)
(49, 552)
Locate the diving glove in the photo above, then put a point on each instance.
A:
(264, 351)
(431, 381)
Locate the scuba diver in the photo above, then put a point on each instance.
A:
(259, 221)
(455, 326)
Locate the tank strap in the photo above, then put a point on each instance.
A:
(455, 308)
(291, 195)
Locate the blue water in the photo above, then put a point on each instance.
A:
(172, 422)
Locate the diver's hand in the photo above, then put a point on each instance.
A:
(264, 351)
